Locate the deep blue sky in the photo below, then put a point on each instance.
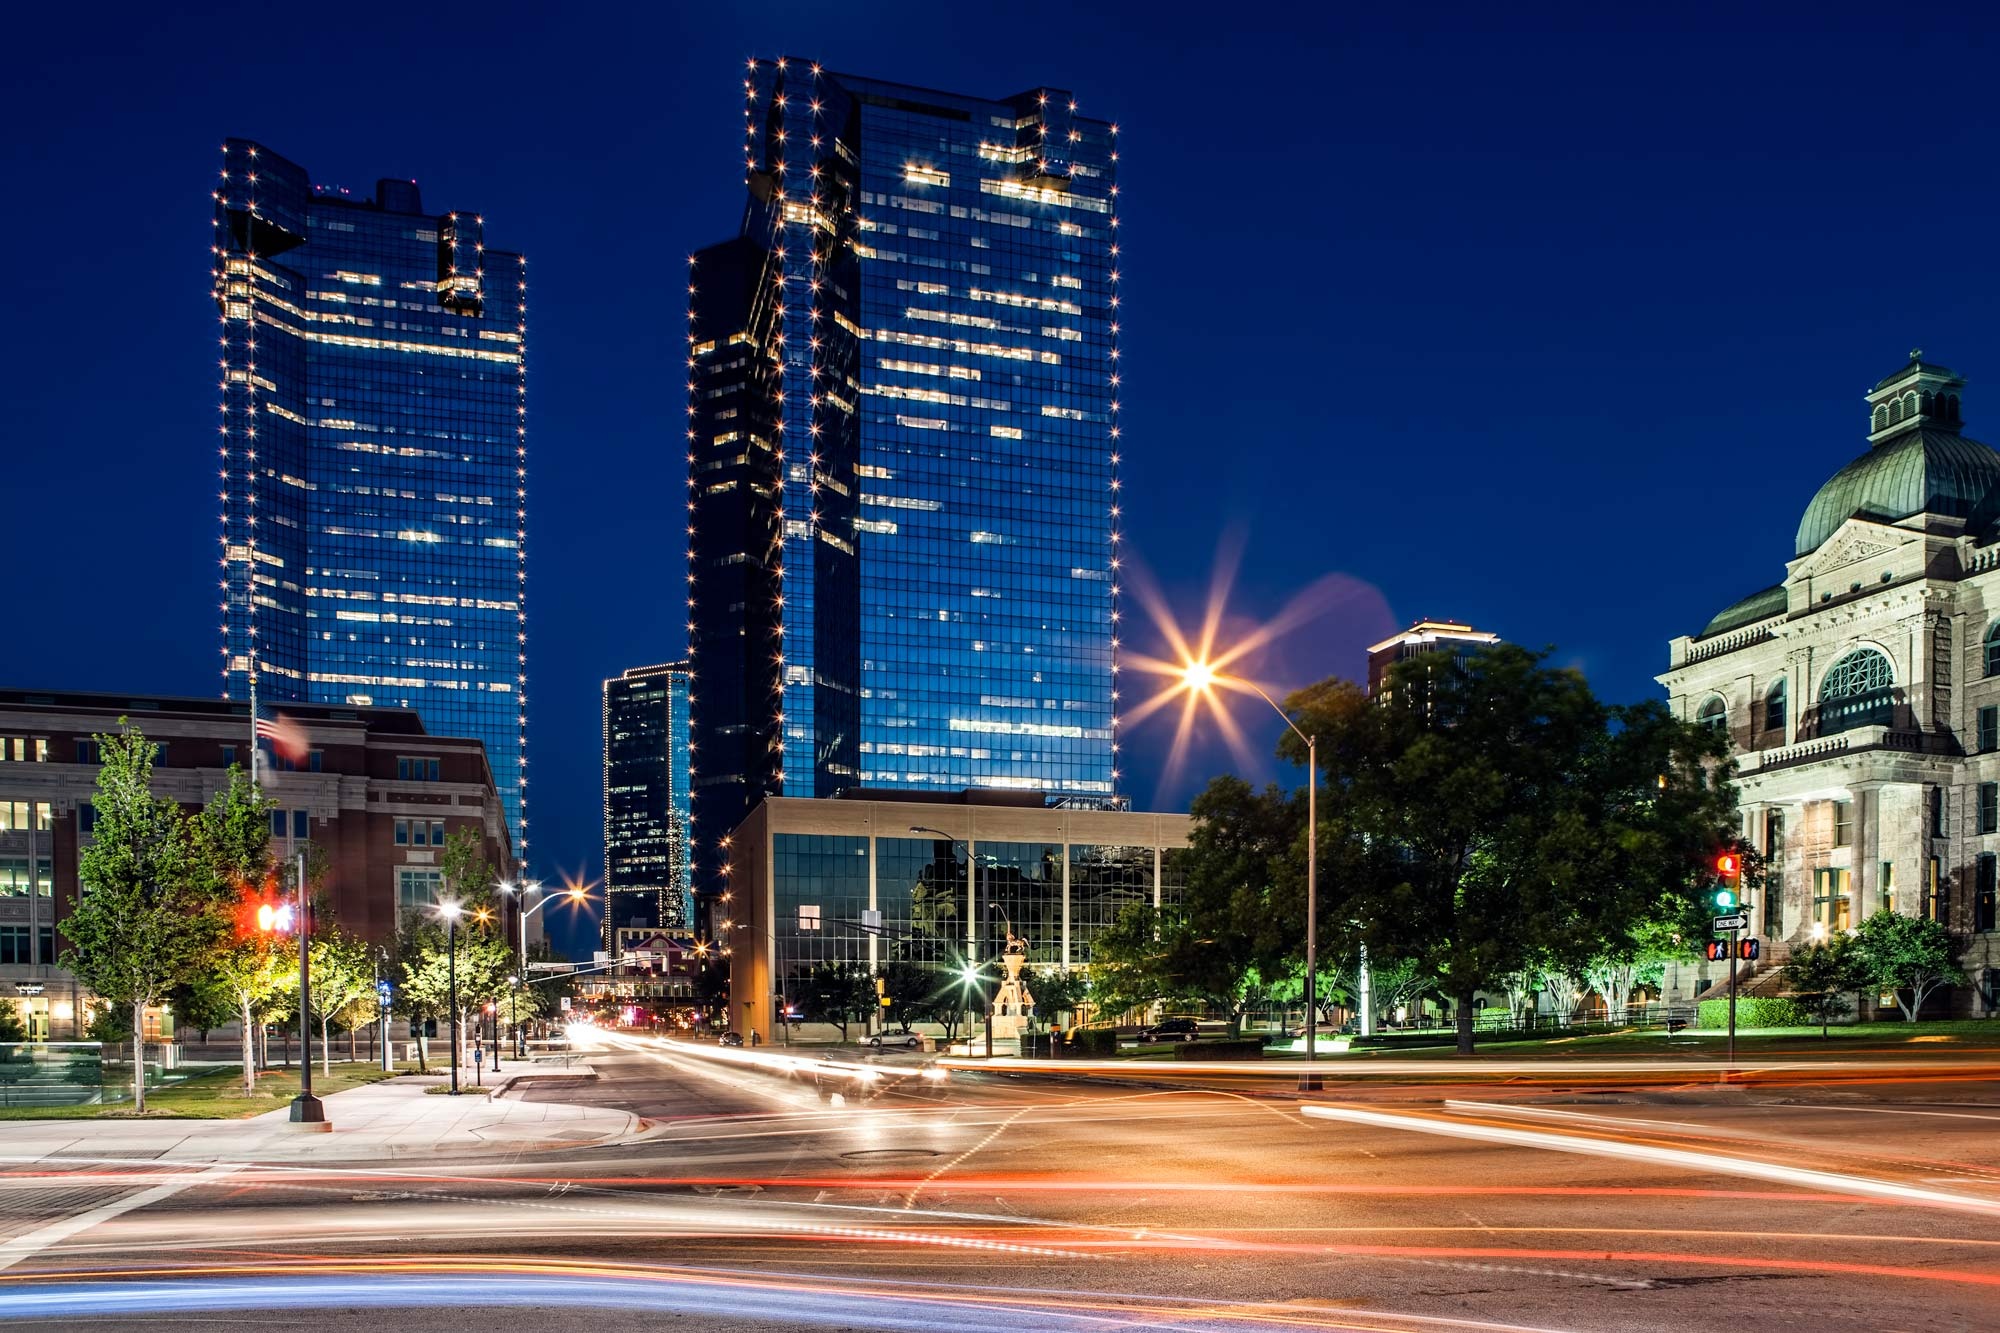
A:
(1549, 320)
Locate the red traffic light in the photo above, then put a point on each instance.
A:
(1728, 867)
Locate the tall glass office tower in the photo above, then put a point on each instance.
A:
(903, 449)
(372, 457)
(646, 806)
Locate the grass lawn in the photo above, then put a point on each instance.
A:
(215, 1096)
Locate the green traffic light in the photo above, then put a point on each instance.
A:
(1726, 899)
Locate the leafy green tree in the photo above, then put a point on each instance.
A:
(1495, 814)
(149, 915)
(202, 1004)
(1058, 991)
(232, 835)
(1910, 956)
(909, 988)
(838, 993)
(467, 878)
(343, 974)
(1821, 975)
(12, 1029)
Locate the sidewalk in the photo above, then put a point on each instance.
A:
(394, 1120)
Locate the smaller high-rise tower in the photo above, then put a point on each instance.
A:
(647, 809)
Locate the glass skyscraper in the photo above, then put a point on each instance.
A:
(372, 457)
(903, 449)
(646, 806)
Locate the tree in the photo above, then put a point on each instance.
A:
(232, 835)
(202, 1003)
(1821, 975)
(149, 915)
(838, 993)
(909, 988)
(1909, 955)
(1490, 814)
(12, 1029)
(1059, 991)
(343, 973)
(466, 878)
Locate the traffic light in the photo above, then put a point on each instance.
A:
(1728, 874)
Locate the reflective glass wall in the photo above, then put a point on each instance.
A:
(372, 456)
(646, 800)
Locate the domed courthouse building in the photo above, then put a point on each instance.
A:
(1862, 694)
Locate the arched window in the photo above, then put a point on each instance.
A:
(1714, 713)
(1993, 649)
(1774, 707)
(1897, 415)
(1858, 692)
(1881, 418)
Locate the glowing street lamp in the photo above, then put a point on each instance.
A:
(573, 893)
(451, 911)
(1199, 677)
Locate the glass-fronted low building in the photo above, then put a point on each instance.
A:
(372, 456)
(646, 807)
(877, 876)
(903, 392)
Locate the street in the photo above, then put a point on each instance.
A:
(1862, 1199)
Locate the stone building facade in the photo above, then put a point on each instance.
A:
(1862, 694)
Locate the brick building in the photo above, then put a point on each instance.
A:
(372, 788)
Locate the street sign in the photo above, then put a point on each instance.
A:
(1739, 921)
(382, 991)
(565, 1003)
(551, 967)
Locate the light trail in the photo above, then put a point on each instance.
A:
(1704, 1163)
(799, 1299)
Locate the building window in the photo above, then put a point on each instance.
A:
(1989, 729)
(1714, 714)
(1843, 823)
(1886, 878)
(1937, 812)
(418, 888)
(808, 916)
(1774, 835)
(1937, 899)
(1859, 691)
(1989, 807)
(1986, 884)
(315, 760)
(277, 823)
(86, 752)
(1993, 650)
(86, 817)
(437, 833)
(1831, 905)
(402, 833)
(410, 768)
(1774, 708)
(229, 756)
(301, 824)
(15, 943)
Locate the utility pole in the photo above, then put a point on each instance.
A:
(306, 1108)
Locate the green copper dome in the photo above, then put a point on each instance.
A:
(1920, 471)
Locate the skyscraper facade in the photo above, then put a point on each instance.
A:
(646, 804)
(903, 449)
(372, 456)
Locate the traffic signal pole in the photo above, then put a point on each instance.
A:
(1732, 1001)
(306, 1108)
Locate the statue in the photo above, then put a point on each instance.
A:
(1013, 1003)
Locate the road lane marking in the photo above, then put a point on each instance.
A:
(1703, 1163)
(31, 1243)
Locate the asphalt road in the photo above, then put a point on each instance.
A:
(1862, 1200)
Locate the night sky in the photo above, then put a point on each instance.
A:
(1542, 320)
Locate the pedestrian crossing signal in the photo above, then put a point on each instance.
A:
(1717, 950)
(1747, 950)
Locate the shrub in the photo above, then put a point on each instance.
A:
(1091, 1043)
(1754, 1011)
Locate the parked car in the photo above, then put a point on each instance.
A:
(732, 1039)
(1171, 1029)
(896, 1041)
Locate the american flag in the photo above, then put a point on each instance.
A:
(287, 737)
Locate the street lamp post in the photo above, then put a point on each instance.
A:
(450, 912)
(972, 864)
(306, 1108)
(575, 893)
(1200, 677)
